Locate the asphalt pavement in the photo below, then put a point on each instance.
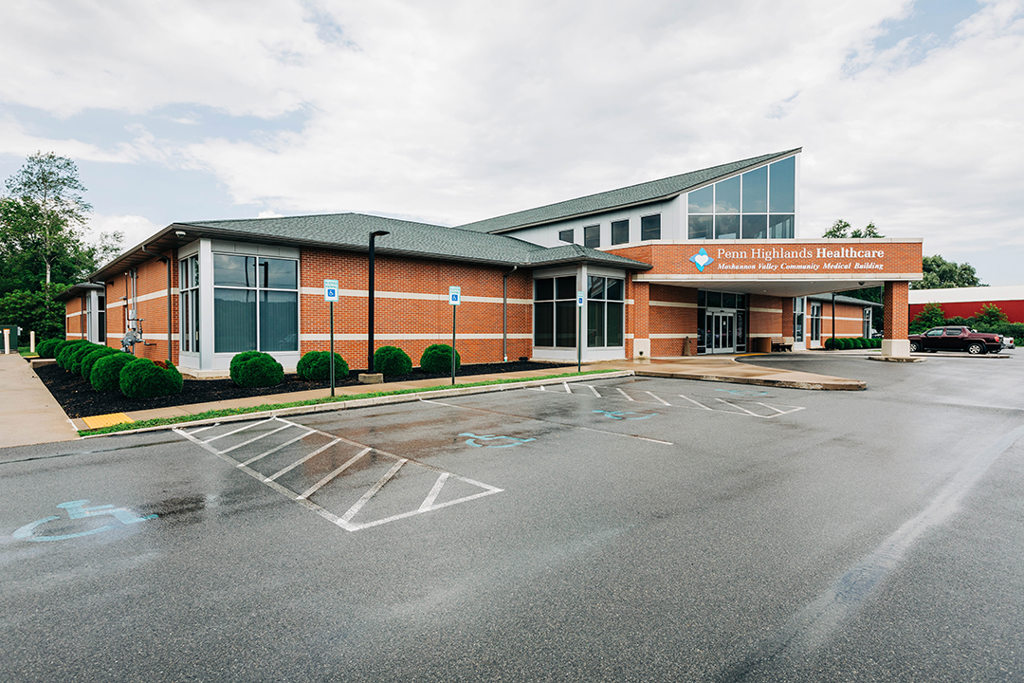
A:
(630, 528)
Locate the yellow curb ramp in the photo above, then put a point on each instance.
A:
(98, 421)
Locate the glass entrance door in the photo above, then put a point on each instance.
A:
(722, 325)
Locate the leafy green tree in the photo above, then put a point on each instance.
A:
(52, 208)
(841, 230)
(33, 310)
(940, 273)
(930, 316)
(989, 316)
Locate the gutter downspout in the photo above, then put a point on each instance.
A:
(504, 312)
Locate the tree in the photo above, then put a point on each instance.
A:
(940, 273)
(33, 310)
(989, 315)
(930, 316)
(841, 230)
(52, 209)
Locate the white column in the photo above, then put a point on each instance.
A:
(205, 304)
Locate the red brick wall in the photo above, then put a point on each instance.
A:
(675, 320)
(74, 321)
(894, 298)
(396, 315)
(152, 280)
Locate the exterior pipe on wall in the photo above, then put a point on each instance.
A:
(167, 260)
(504, 312)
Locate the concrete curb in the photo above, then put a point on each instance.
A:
(375, 401)
(846, 385)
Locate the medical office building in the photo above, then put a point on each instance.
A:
(700, 263)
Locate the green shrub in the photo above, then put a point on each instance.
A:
(437, 358)
(65, 349)
(255, 369)
(315, 366)
(142, 378)
(89, 360)
(106, 372)
(830, 344)
(877, 343)
(76, 357)
(847, 343)
(392, 361)
(47, 348)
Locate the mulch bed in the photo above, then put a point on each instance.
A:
(79, 399)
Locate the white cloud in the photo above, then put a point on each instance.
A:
(454, 111)
(135, 228)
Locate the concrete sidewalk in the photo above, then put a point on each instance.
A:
(28, 412)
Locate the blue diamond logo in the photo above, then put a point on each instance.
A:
(701, 259)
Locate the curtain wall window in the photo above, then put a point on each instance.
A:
(188, 304)
(759, 204)
(255, 304)
(554, 312)
(605, 299)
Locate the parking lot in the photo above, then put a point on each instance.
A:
(612, 528)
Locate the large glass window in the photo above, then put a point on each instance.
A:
(605, 298)
(758, 204)
(255, 304)
(188, 304)
(592, 236)
(650, 227)
(620, 232)
(565, 235)
(554, 311)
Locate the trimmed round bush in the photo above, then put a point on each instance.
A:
(437, 358)
(106, 372)
(47, 348)
(76, 357)
(830, 344)
(142, 378)
(255, 369)
(391, 361)
(66, 349)
(85, 368)
(315, 366)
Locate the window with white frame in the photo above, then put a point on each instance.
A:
(255, 304)
(554, 311)
(604, 311)
(188, 303)
(758, 204)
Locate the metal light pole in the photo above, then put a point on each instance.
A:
(369, 326)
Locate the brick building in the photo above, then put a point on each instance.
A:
(703, 262)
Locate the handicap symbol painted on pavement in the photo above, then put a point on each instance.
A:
(511, 440)
(744, 392)
(76, 510)
(625, 414)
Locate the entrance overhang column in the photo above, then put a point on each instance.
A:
(895, 301)
(639, 324)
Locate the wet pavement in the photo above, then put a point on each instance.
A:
(627, 528)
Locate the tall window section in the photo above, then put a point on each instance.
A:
(592, 236)
(554, 312)
(759, 204)
(650, 227)
(604, 311)
(255, 304)
(188, 303)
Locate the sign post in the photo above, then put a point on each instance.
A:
(454, 298)
(330, 296)
(579, 331)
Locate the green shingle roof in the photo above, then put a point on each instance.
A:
(350, 231)
(644, 193)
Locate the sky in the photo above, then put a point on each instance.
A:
(910, 114)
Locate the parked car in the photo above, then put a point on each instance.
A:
(1008, 343)
(956, 338)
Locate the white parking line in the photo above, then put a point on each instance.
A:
(627, 396)
(696, 403)
(432, 496)
(240, 429)
(257, 438)
(589, 387)
(658, 398)
(352, 511)
(275, 449)
(298, 462)
(748, 412)
(317, 486)
(567, 389)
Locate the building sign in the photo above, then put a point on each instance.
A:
(455, 295)
(811, 259)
